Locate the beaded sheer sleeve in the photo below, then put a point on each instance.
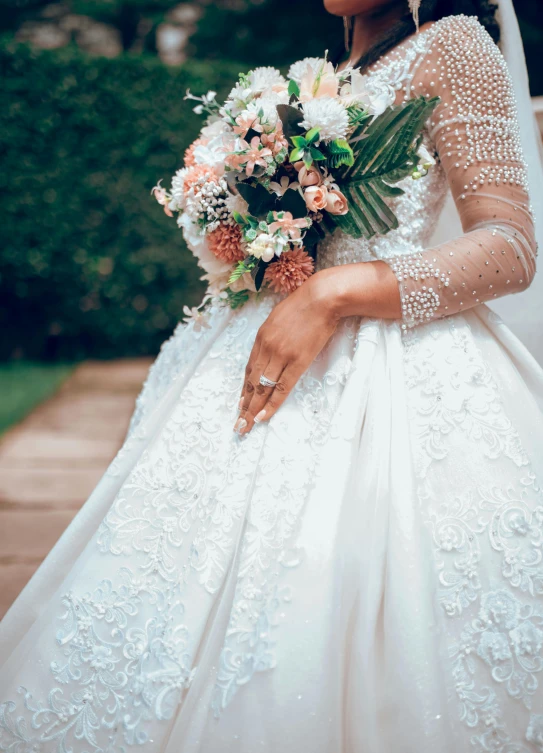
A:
(476, 136)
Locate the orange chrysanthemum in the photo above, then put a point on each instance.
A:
(225, 243)
(189, 153)
(290, 271)
(196, 172)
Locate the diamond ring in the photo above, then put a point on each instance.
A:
(265, 382)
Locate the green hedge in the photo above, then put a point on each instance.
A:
(89, 264)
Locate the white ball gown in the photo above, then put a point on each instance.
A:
(362, 574)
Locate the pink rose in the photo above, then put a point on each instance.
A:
(308, 176)
(336, 202)
(316, 198)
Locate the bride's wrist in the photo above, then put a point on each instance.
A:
(360, 289)
(336, 292)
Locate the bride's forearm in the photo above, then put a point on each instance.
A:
(362, 289)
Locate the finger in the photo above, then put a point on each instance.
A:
(249, 370)
(286, 383)
(249, 388)
(261, 395)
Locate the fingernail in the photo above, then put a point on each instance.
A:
(260, 416)
(240, 424)
(240, 406)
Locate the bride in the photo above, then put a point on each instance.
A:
(358, 566)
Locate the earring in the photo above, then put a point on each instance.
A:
(414, 6)
(347, 25)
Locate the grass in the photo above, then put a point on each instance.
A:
(25, 384)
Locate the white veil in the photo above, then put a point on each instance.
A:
(522, 312)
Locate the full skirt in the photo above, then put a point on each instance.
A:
(361, 574)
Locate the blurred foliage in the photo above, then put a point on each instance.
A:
(299, 29)
(24, 384)
(88, 261)
(89, 264)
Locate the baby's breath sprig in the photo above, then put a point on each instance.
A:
(208, 103)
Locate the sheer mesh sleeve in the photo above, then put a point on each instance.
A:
(476, 136)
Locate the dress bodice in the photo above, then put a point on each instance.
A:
(417, 210)
(419, 207)
(474, 134)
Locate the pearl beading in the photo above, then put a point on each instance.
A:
(469, 72)
(475, 133)
(421, 304)
(477, 137)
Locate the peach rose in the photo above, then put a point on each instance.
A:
(336, 202)
(308, 176)
(316, 198)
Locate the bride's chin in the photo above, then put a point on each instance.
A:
(352, 7)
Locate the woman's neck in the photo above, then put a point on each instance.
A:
(369, 26)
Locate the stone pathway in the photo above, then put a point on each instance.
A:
(51, 462)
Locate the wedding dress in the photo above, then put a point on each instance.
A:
(362, 574)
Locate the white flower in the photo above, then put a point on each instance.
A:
(237, 100)
(214, 127)
(328, 115)
(265, 79)
(236, 203)
(178, 185)
(205, 201)
(199, 318)
(212, 154)
(298, 69)
(100, 658)
(267, 104)
(373, 98)
(281, 188)
(205, 101)
(263, 247)
(425, 158)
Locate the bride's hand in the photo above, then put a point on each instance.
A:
(286, 345)
(300, 326)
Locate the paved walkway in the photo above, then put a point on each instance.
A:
(51, 462)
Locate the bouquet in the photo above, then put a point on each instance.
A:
(284, 161)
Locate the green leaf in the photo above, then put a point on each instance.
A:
(242, 267)
(383, 153)
(291, 118)
(259, 199)
(340, 153)
(296, 155)
(257, 273)
(236, 300)
(313, 236)
(299, 141)
(293, 88)
(239, 218)
(292, 202)
(312, 136)
(316, 154)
